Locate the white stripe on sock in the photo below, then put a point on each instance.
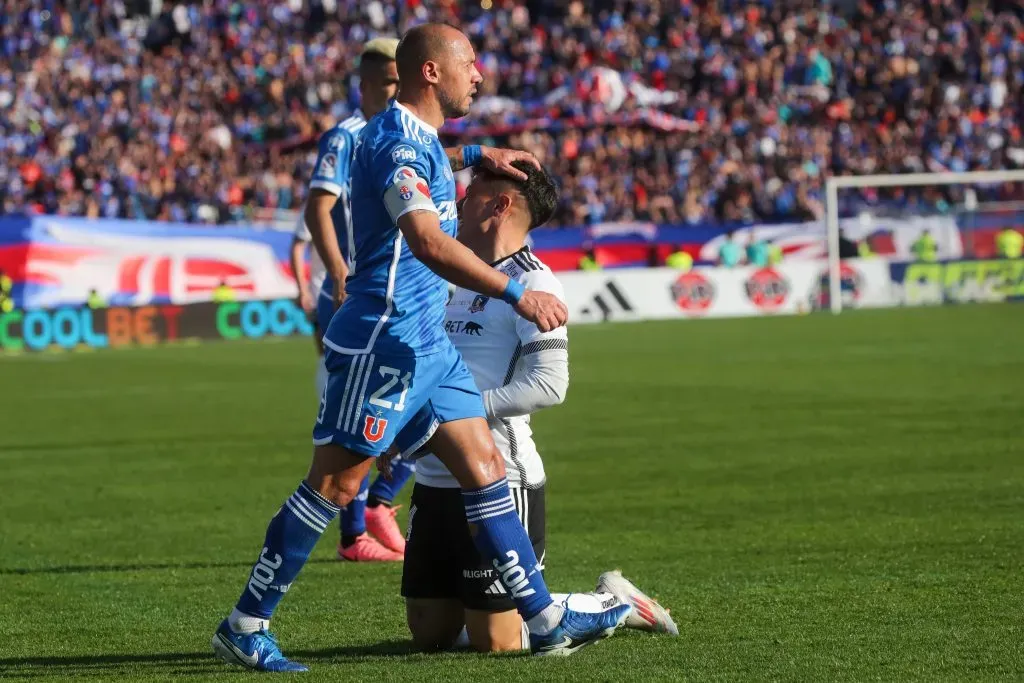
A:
(309, 509)
(304, 518)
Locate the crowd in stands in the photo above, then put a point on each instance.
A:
(203, 111)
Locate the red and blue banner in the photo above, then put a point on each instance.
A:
(56, 261)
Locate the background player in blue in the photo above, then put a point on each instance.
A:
(393, 368)
(328, 216)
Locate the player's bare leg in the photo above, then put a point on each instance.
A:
(434, 623)
(467, 449)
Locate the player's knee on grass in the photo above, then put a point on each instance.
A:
(336, 473)
(467, 449)
(434, 624)
(494, 631)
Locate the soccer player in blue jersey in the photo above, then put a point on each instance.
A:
(393, 369)
(328, 216)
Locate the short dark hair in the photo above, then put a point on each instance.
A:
(373, 60)
(539, 190)
(420, 44)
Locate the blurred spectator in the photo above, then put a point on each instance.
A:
(847, 247)
(1009, 243)
(94, 300)
(189, 111)
(223, 292)
(757, 251)
(925, 248)
(6, 293)
(730, 254)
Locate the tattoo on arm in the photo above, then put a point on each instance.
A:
(455, 158)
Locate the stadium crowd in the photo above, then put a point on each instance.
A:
(203, 111)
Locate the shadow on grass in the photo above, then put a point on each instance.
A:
(181, 663)
(133, 567)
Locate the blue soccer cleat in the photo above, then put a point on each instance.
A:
(257, 651)
(579, 629)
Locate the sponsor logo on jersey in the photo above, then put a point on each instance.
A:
(693, 292)
(514, 576)
(448, 210)
(767, 289)
(404, 173)
(461, 327)
(263, 574)
(477, 573)
(405, 193)
(403, 154)
(478, 303)
(328, 165)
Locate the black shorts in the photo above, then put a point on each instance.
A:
(441, 561)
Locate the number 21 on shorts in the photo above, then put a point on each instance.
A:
(374, 425)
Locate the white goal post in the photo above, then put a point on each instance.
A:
(835, 183)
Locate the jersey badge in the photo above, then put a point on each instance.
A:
(328, 165)
(478, 303)
(403, 173)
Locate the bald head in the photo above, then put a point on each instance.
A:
(439, 58)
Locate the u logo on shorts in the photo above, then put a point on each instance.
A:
(373, 428)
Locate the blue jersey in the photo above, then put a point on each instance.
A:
(395, 304)
(333, 174)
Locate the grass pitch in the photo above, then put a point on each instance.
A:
(815, 498)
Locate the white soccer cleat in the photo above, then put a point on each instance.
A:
(647, 614)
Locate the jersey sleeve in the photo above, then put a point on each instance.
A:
(529, 336)
(333, 162)
(541, 377)
(402, 173)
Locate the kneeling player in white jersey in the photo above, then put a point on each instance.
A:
(519, 370)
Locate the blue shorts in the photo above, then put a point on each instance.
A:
(373, 400)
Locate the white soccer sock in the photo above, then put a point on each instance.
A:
(583, 602)
(462, 641)
(525, 642)
(546, 621)
(240, 622)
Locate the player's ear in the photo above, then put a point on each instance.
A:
(430, 72)
(502, 203)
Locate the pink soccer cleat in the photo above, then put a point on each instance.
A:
(367, 549)
(380, 521)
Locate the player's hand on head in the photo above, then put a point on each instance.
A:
(544, 310)
(501, 160)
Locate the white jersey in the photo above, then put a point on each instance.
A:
(506, 355)
(317, 271)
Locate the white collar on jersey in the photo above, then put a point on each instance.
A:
(426, 126)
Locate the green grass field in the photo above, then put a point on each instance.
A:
(816, 499)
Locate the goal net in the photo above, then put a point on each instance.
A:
(945, 236)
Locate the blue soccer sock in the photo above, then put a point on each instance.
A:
(384, 491)
(353, 515)
(500, 537)
(291, 536)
